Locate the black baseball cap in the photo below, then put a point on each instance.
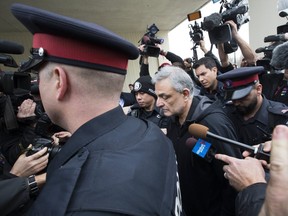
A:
(144, 84)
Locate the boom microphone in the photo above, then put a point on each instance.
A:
(10, 47)
(202, 132)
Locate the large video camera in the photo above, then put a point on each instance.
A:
(9, 81)
(219, 32)
(150, 40)
(274, 41)
(15, 86)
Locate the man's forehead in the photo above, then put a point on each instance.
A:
(165, 91)
(163, 85)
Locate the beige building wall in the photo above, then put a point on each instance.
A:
(264, 21)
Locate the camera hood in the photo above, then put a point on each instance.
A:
(220, 34)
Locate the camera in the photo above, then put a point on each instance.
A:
(150, 40)
(219, 32)
(268, 50)
(14, 85)
(196, 33)
(275, 40)
(9, 81)
(40, 143)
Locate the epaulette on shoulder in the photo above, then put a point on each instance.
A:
(283, 111)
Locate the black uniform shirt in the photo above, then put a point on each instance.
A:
(112, 165)
(154, 116)
(257, 129)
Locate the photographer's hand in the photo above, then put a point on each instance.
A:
(141, 47)
(266, 148)
(61, 136)
(233, 27)
(249, 55)
(26, 109)
(28, 165)
(162, 51)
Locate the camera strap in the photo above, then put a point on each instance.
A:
(9, 115)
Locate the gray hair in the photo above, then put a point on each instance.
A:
(178, 77)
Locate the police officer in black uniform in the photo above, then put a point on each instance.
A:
(253, 115)
(112, 164)
(146, 108)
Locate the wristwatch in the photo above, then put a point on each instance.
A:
(33, 187)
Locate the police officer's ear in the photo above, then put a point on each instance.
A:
(60, 75)
(258, 87)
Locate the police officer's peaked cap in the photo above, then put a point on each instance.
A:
(70, 41)
(239, 82)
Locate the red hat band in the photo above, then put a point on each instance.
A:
(68, 48)
(242, 82)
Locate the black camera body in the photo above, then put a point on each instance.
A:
(12, 80)
(196, 33)
(219, 32)
(236, 11)
(14, 85)
(275, 40)
(265, 61)
(40, 143)
(150, 40)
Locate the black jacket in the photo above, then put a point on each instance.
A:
(205, 192)
(259, 128)
(112, 165)
(275, 87)
(155, 116)
(250, 200)
(14, 193)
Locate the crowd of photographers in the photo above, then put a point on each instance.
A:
(252, 111)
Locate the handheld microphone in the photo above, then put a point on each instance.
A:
(201, 148)
(10, 47)
(202, 132)
(191, 142)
